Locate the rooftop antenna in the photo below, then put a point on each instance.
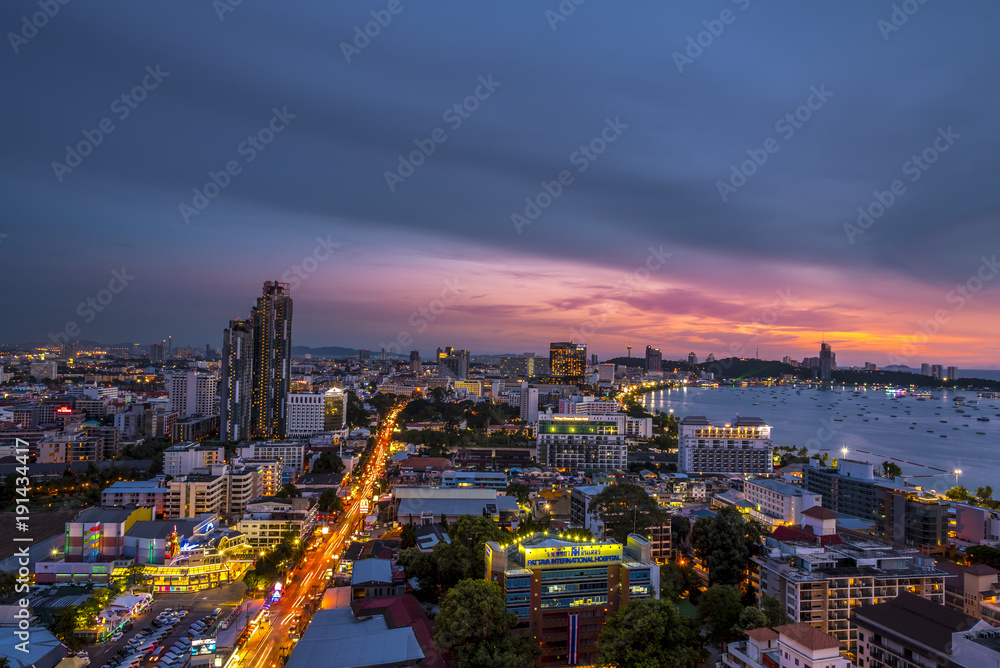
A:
(630, 348)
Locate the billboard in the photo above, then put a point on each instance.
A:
(202, 646)
(572, 555)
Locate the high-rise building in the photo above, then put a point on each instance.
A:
(583, 441)
(67, 350)
(455, 361)
(335, 409)
(529, 403)
(654, 359)
(271, 319)
(237, 380)
(157, 353)
(415, 361)
(826, 363)
(925, 369)
(937, 371)
(692, 358)
(192, 393)
(305, 414)
(743, 447)
(364, 354)
(593, 359)
(952, 373)
(568, 360)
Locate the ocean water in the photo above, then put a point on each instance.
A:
(927, 438)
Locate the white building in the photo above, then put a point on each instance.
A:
(797, 645)
(305, 414)
(183, 458)
(579, 513)
(778, 503)
(291, 455)
(741, 447)
(41, 370)
(528, 403)
(267, 520)
(192, 393)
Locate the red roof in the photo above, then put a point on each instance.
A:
(820, 513)
(426, 463)
(808, 636)
(785, 534)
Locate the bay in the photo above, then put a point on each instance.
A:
(928, 438)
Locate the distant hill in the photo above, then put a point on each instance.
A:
(328, 351)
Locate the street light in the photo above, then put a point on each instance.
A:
(957, 472)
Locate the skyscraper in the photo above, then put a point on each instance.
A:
(237, 380)
(654, 359)
(271, 320)
(826, 364)
(692, 358)
(925, 369)
(415, 361)
(568, 360)
(953, 373)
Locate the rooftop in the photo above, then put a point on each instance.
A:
(820, 513)
(763, 635)
(918, 619)
(110, 515)
(371, 570)
(807, 635)
(335, 639)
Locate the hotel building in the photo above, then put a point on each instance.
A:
(742, 447)
(582, 441)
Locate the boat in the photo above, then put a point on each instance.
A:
(981, 433)
(983, 419)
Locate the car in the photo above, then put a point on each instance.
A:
(116, 637)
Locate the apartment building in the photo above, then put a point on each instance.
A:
(291, 455)
(466, 478)
(268, 473)
(194, 494)
(67, 448)
(579, 513)
(823, 580)
(741, 447)
(977, 525)
(192, 393)
(798, 645)
(972, 590)
(183, 458)
(139, 493)
(908, 630)
(582, 442)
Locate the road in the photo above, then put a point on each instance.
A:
(270, 645)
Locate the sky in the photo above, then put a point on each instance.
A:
(734, 176)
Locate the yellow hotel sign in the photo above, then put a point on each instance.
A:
(572, 555)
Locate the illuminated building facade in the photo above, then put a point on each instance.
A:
(742, 447)
(237, 383)
(568, 360)
(272, 360)
(563, 590)
(582, 441)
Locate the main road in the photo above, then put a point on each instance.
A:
(270, 644)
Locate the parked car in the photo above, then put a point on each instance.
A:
(116, 637)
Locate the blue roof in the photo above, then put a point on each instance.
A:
(371, 570)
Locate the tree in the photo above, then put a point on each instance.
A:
(649, 632)
(680, 529)
(983, 554)
(408, 537)
(891, 470)
(774, 611)
(724, 544)
(330, 502)
(328, 462)
(473, 626)
(520, 492)
(984, 494)
(752, 617)
(677, 580)
(959, 493)
(626, 508)
(288, 490)
(719, 611)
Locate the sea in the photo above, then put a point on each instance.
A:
(928, 437)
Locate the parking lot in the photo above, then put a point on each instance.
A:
(198, 605)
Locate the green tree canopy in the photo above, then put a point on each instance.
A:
(774, 611)
(680, 528)
(626, 508)
(520, 492)
(959, 493)
(891, 470)
(725, 543)
(329, 502)
(649, 633)
(752, 617)
(983, 554)
(676, 581)
(328, 462)
(473, 625)
(719, 610)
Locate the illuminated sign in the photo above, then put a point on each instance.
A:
(572, 555)
(568, 418)
(202, 646)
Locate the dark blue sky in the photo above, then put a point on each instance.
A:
(577, 271)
